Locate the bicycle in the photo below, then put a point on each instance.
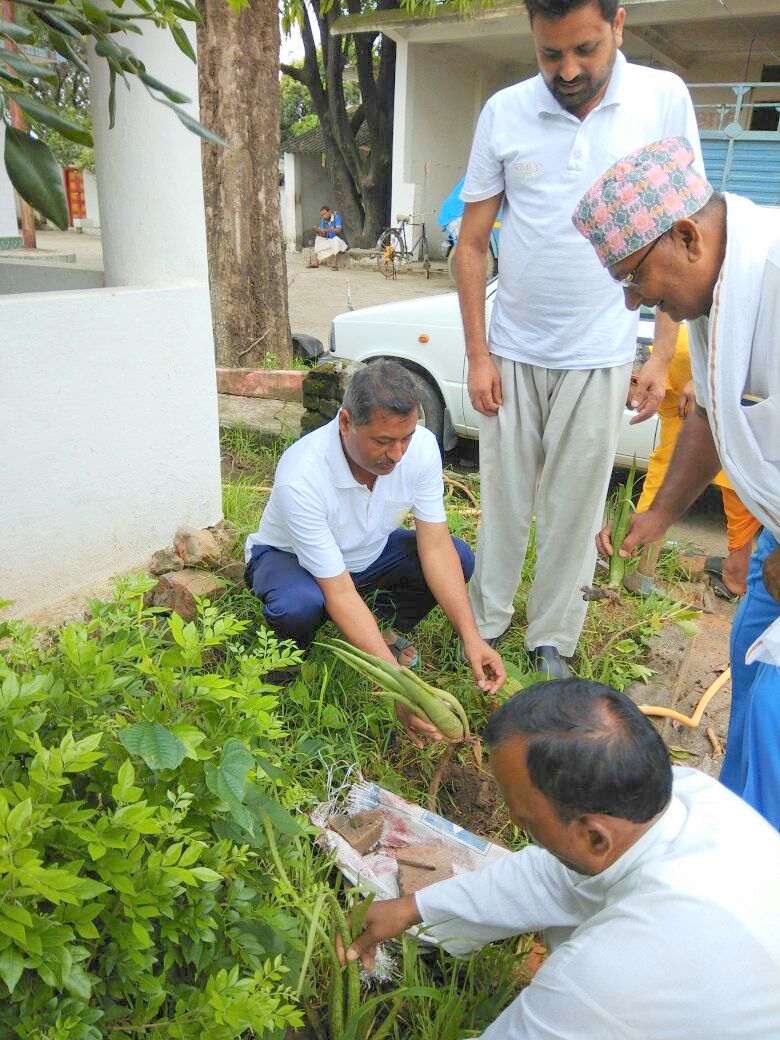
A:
(393, 250)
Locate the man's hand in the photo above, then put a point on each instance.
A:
(484, 385)
(686, 402)
(384, 920)
(486, 665)
(647, 389)
(643, 528)
(417, 728)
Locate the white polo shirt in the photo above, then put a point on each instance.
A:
(556, 306)
(678, 940)
(332, 523)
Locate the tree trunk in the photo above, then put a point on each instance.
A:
(238, 62)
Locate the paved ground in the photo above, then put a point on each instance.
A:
(88, 249)
(317, 296)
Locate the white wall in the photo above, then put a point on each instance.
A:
(91, 198)
(8, 226)
(439, 94)
(108, 423)
(109, 433)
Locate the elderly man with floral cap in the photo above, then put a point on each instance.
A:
(672, 243)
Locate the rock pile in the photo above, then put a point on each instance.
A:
(195, 564)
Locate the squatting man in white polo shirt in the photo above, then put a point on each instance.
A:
(331, 534)
(657, 887)
(551, 378)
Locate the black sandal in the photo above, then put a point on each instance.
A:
(713, 568)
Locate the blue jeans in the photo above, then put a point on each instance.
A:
(754, 729)
(293, 603)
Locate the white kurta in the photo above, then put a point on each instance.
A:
(677, 940)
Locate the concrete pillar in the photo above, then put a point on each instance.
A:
(150, 186)
(292, 213)
(9, 232)
(404, 191)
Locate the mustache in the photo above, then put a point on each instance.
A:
(580, 82)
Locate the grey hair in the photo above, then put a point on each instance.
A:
(383, 386)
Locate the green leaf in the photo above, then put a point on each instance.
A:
(78, 983)
(155, 84)
(228, 780)
(11, 967)
(190, 736)
(111, 99)
(36, 175)
(15, 32)
(35, 110)
(194, 126)
(182, 42)
(28, 68)
(10, 78)
(155, 744)
(235, 763)
(332, 717)
(278, 815)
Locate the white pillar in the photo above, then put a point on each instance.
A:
(292, 215)
(9, 232)
(148, 171)
(404, 191)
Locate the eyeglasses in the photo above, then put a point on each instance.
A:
(630, 279)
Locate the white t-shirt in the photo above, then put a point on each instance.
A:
(332, 523)
(678, 940)
(556, 306)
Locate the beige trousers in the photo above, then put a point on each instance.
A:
(548, 453)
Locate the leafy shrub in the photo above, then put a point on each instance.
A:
(141, 781)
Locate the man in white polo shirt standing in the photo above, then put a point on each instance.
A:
(551, 379)
(331, 534)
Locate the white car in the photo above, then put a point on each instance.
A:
(426, 336)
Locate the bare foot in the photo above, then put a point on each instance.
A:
(407, 655)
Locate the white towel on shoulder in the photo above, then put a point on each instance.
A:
(747, 435)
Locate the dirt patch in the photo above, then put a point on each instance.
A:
(469, 798)
(685, 668)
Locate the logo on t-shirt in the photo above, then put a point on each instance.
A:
(527, 169)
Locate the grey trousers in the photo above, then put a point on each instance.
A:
(548, 453)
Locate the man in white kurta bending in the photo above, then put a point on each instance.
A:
(658, 886)
(551, 377)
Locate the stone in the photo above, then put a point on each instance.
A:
(361, 830)
(177, 591)
(225, 534)
(232, 570)
(312, 421)
(425, 865)
(163, 561)
(269, 383)
(328, 408)
(311, 398)
(196, 548)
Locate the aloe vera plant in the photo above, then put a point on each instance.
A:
(620, 518)
(405, 687)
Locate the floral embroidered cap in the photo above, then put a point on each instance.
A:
(639, 198)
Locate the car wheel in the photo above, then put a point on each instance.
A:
(491, 265)
(431, 407)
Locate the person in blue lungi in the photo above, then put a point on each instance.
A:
(713, 259)
(331, 536)
(751, 766)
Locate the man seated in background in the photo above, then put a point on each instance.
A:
(330, 239)
(658, 886)
(331, 535)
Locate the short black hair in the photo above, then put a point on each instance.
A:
(554, 9)
(384, 386)
(589, 749)
(327, 207)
